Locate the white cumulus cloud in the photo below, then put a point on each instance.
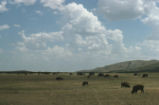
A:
(4, 27)
(53, 4)
(150, 48)
(3, 7)
(38, 41)
(81, 40)
(17, 25)
(39, 12)
(26, 2)
(121, 9)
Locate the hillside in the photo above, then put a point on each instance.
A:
(16, 71)
(131, 66)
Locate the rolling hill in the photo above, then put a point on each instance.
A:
(130, 66)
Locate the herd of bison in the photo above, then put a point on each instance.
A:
(135, 88)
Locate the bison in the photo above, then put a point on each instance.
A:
(116, 76)
(59, 78)
(136, 88)
(100, 74)
(125, 84)
(135, 74)
(144, 75)
(106, 75)
(84, 83)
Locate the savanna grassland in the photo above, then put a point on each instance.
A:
(44, 89)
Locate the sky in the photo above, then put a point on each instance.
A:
(71, 35)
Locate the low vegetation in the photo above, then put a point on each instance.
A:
(130, 67)
(44, 89)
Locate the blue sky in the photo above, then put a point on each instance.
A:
(69, 35)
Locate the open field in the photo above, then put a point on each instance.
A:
(44, 89)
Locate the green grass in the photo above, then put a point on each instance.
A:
(36, 89)
(131, 66)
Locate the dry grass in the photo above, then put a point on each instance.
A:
(45, 90)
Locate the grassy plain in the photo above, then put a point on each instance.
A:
(34, 89)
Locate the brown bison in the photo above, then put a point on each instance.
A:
(116, 76)
(125, 84)
(135, 74)
(88, 76)
(136, 88)
(84, 83)
(59, 78)
(100, 74)
(106, 75)
(144, 75)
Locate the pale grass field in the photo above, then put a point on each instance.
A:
(43, 89)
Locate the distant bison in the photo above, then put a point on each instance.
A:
(136, 88)
(116, 76)
(59, 78)
(100, 74)
(135, 74)
(144, 75)
(106, 75)
(125, 84)
(84, 83)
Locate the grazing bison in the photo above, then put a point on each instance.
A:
(136, 88)
(125, 84)
(116, 76)
(59, 78)
(100, 74)
(135, 74)
(84, 83)
(144, 75)
(106, 75)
